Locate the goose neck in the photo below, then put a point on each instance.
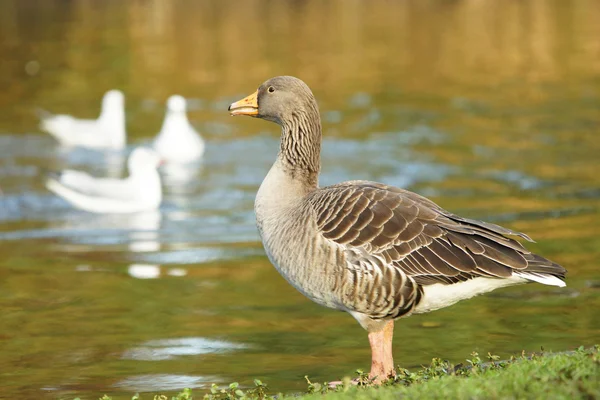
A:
(300, 147)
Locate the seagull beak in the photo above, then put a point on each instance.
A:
(246, 106)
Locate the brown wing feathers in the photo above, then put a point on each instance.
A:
(423, 240)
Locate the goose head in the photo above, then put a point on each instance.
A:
(280, 99)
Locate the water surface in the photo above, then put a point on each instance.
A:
(490, 108)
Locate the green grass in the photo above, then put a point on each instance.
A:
(575, 375)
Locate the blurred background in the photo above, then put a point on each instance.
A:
(491, 108)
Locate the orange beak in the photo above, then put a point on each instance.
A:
(246, 106)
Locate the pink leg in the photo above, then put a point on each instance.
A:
(382, 361)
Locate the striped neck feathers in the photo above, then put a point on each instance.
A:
(300, 147)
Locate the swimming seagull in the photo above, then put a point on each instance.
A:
(178, 141)
(375, 251)
(140, 191)
(105, 132)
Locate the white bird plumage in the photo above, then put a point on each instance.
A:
(140, 191)
(178, 141)
(105, 132)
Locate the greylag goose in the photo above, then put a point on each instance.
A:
(105, 132)
(140, 191)
(178, 141)
(373, 250)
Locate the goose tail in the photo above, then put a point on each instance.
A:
(542, 270)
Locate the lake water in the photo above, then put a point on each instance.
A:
(491, 108)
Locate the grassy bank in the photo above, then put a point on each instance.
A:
(574, 375)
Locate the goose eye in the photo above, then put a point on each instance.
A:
(271, 89)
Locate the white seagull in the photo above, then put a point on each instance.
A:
(140, 191)
(178, 141)
(106, 132)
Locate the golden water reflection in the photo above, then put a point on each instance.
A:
(489, 107)
(221, 48)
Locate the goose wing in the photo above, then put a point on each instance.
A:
(395, 242)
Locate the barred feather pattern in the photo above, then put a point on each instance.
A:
(396, 242)
(300, 146)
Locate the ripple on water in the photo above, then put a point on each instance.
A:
(197, 255)
(29, 206)
(144, 271)
(46, 152)
(167, 349)
(151, 271)
(26, 145)
(360, 100)
(517, 178)
(541, 214)
(415, 135)
(389, 156)
(160, 382)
